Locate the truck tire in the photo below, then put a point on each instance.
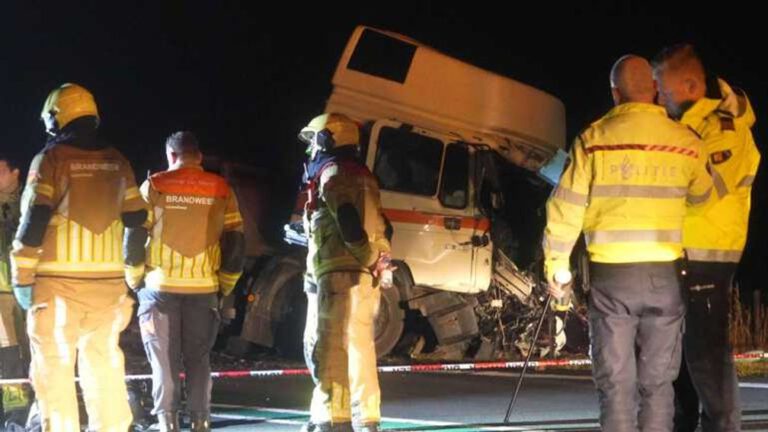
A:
(277, 319)
(289, 330)
(389, 321)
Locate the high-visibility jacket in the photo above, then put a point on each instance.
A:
(87, 191)
(720, 232)
(630, 177)
(191, 212)
(341, 184)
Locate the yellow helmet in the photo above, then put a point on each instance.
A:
(66, 103)
(329, 131)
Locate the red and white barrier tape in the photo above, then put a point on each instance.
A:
(417, 368)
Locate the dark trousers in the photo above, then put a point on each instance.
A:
(179, 329)
(635, 319)
(708, 374)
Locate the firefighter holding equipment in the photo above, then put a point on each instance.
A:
(714, 239)
(348, 250)
(67, 266)
(195, 257)
(631, 176)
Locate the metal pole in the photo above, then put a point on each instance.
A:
(528, 358)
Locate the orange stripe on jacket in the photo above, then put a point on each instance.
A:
(192, 182)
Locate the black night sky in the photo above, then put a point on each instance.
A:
(245, 79)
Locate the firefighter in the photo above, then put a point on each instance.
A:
(196, 254)
(13, 342)
(348, 251)
(67, 266)
(713, 239)
(630, 178)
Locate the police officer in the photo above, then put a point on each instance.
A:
(631, 175)
(714, 238)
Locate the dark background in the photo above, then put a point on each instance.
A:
(245, 79)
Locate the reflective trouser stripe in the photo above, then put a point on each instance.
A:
(63, 331)
(344, 355)
(713, 255)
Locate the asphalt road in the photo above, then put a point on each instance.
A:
(443, 401)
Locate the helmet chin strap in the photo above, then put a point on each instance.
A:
(51, 126)
(313, 152)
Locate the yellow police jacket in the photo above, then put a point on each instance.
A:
(630, 177)
(718, 233)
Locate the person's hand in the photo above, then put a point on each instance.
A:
(383, 263)
(23, 294)
(227, 310)
(559, 286)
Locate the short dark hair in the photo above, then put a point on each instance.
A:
(183, 142)
(680, 56)
(10, 161)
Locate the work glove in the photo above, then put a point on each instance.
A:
(23, 294)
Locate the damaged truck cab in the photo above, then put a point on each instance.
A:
(436, 133)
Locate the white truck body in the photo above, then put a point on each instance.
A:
(388, 80)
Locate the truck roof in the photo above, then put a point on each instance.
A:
(386, 75)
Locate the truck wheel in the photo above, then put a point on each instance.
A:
(389, 321)
(289, 331)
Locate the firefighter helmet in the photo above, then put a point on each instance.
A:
(329, 131)
(67, 103)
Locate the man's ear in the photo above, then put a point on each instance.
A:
(616, 95)
(694, 88)
(690, 86)
(16, 173)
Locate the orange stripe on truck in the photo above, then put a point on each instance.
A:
(421, 218)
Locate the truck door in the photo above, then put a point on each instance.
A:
(425, 192)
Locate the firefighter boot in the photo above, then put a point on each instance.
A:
(368, 427)
(200, 422)
(168, 422)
